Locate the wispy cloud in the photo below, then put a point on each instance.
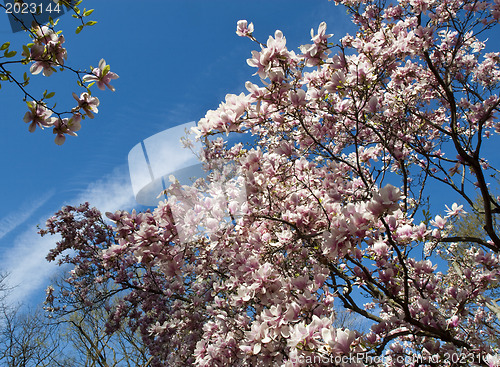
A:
(111, 193)
(26, 265)
(12, 220)
(25, 262)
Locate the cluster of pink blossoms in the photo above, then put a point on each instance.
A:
(348, 138)
(46, 53)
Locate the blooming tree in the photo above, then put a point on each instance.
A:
(46, 54)
(351, 139)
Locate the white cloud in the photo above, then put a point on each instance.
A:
(110, 193)
(15, 219)
(25, 260)
(26, 265)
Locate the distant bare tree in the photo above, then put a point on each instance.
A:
(4, 290)
(92, 346)
(346, 319)
(92, 341)
(71, 337)
(28, 340)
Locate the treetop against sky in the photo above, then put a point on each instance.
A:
(357, 140)
(176, 63)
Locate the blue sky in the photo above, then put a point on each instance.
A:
(176, 60)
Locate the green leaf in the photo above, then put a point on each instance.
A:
(88, 12)
(106, 70)
(91, 22)
(5, 46)
(50, 95)
(10, 54)
(79, 29)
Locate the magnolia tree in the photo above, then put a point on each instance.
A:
(46, 54)
(350, 140)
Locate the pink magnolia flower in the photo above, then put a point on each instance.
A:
(492, 360)
(373, 104)
(265, 59)
(321, 36)
(424, 267)
(439, 222)
(380, 248)
(386, 199)
(317, 51)
(66, 126)
(36, 51)
(244, 29)
(308, 335)
(87, 103)
(298, 97)
(344, 340)
(453, 321)
(44, 34)
(157, 328)
(56, 51)
(456, 210)
(102, 76)
(44, 66)
(39, 115)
